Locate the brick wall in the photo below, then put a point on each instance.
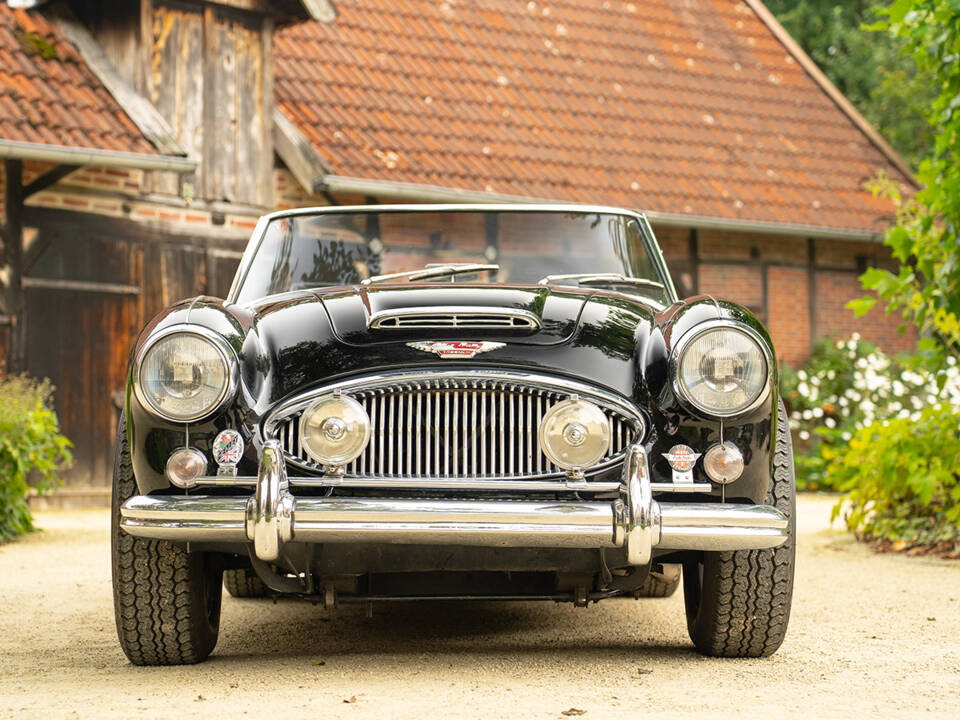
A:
(788, 317)
(771, 275)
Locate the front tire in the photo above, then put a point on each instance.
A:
(166, 600)
(738, 602)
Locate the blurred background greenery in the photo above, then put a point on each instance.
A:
(868, 67)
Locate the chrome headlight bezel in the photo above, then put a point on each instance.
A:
(227, 356)
(680, 346)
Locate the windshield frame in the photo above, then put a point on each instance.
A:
(646, 232)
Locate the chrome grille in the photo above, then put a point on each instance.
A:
(462, 429)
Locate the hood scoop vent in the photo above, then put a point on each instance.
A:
(470, 318)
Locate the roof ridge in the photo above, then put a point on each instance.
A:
(806, 62)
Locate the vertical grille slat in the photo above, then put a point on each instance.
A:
(472, 428)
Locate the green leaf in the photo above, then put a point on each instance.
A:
(862, 306)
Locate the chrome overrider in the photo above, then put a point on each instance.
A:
(274, 516)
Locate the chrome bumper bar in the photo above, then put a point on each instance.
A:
(273, 516)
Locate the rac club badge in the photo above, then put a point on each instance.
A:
(227, 451)
(456, 349)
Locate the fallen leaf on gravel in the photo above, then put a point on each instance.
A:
(643, 671)
(899, 546)
(573, 711)
(931, 619)
(353, 699)
(199, 698)
(319, 662)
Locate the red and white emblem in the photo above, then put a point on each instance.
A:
(682, 458)
(455, 348)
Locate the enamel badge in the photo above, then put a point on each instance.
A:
(455, 348)
(227, 451)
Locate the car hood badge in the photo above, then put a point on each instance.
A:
(456, 348)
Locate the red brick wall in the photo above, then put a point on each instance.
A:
(834, 290)
(788, 313)
(744, 283)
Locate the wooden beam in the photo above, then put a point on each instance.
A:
(298, 154)
(51, 177)
(80, 286)
(694, 262)
(16, 354)
(811, 291)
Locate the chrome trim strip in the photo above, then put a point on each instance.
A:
(695, 332)
(528, 321)
(447, 484)
(681, 487)
(438, 483)
(227, 354)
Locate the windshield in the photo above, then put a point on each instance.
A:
(309, 251)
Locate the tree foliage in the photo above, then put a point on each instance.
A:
(926, 237)
(870, 69)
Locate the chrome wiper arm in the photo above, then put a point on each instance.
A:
(599, 278)
(432, 271)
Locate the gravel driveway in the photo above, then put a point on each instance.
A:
(871, 636)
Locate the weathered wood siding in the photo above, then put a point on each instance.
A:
(211, 78)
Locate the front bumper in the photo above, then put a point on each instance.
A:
(273, 517)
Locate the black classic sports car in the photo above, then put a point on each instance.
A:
(470, 402)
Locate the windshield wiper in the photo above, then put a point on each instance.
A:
(432, 271)
(601, 279)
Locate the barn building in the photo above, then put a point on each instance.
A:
(140, 140)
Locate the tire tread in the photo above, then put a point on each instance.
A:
(155, 587)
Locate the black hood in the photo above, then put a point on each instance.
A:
(313, 337)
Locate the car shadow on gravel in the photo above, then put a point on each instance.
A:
(294, 628)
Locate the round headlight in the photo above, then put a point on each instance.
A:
(574, 434)
(184, 376)
(334, 430)
(722, 371)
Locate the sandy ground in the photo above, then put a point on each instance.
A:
(871, 636)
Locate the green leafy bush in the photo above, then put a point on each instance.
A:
(901, 479)
(845, 386)
(32, 450)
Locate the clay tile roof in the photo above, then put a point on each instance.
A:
(689, 108)
(49, 95)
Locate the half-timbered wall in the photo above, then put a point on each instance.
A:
(798, 287)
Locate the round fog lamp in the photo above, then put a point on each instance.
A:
(184, 466)
(574, 434)
(334, 430)
(723, 463)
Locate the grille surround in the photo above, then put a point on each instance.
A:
(485, 443)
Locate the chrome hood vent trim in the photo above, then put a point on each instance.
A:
(469, 318)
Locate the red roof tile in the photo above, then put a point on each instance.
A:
(693, 108)
(49, 95)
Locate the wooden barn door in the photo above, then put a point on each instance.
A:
(83, 301)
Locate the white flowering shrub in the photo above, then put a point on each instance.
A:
(848, 385)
